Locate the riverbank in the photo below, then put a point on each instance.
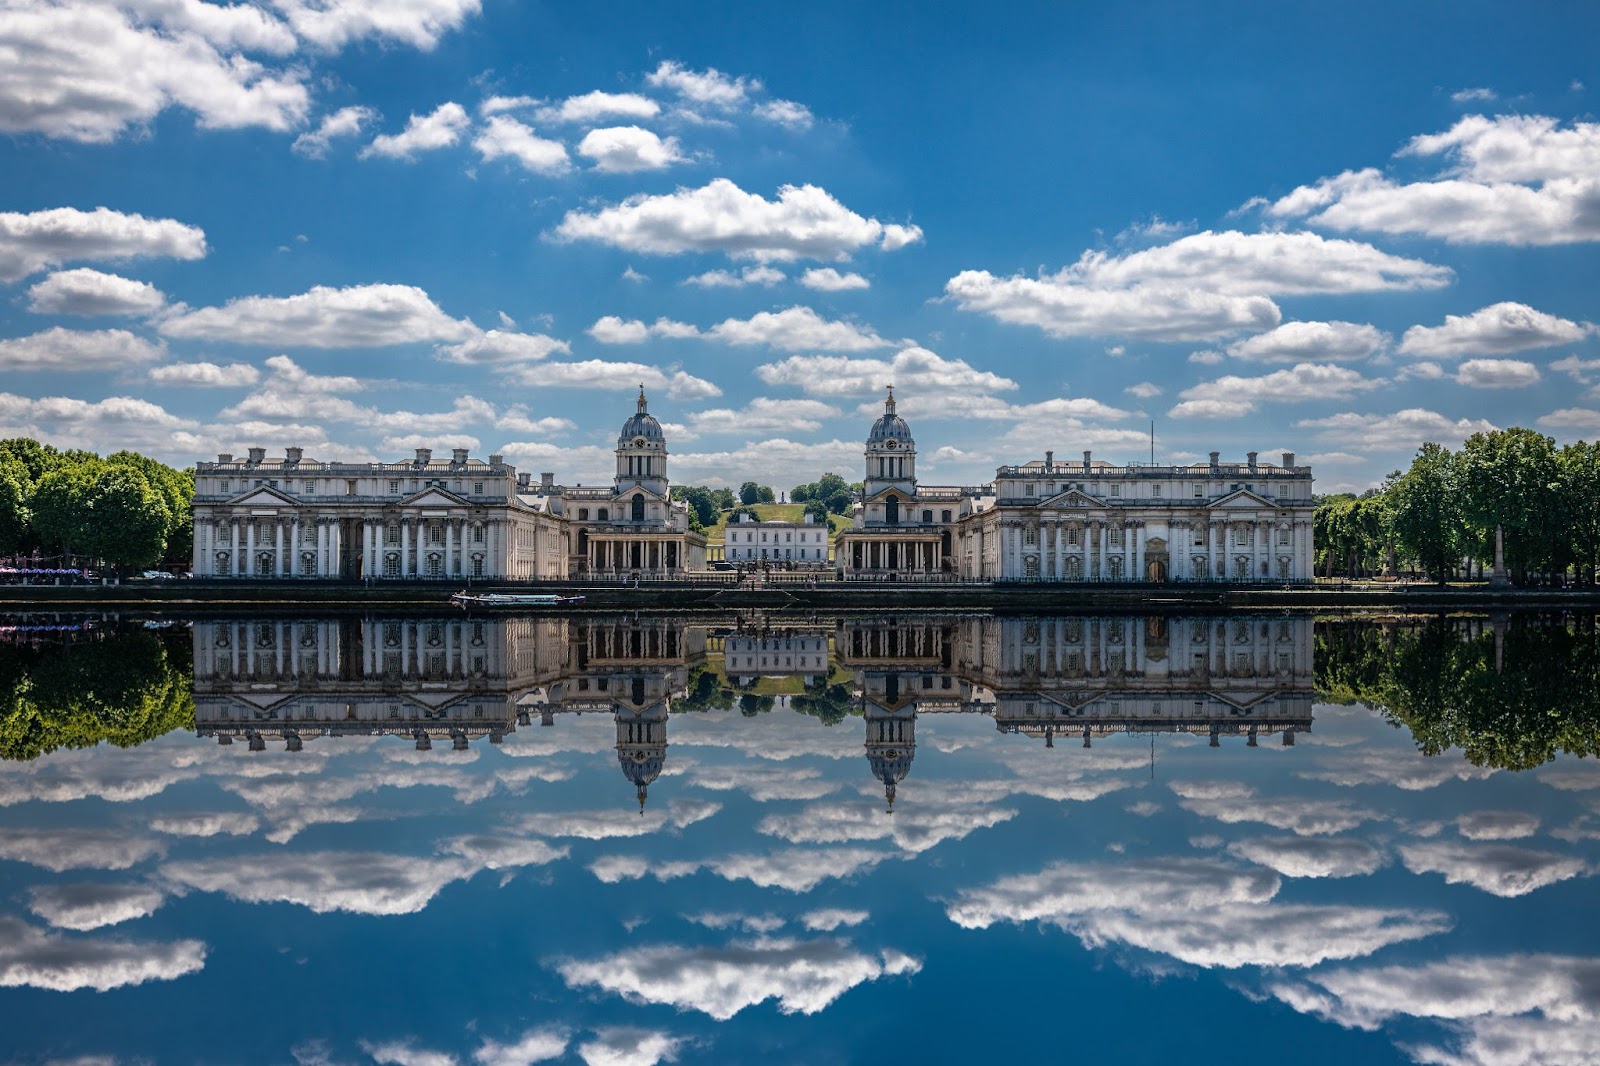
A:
(263, 597)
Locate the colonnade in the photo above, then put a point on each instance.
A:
(905, 555)
(313, 546)
(628, 552)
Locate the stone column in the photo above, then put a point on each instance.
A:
(277, 547)
(250, 549)
(449, 547)
(1103, 539)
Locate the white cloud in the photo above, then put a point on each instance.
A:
(785, 113)
(1497, 374)
(604, 374)
(1231, 396)
(360, 316)
(609, 824)
(440, 128)
(828, 919)
(405, 1053)
(1309, 856)
(1224, 802)
(32, 242)
(498, 347)
(727, 279)
(85, 906)
(331, 24)
(763, 415)
(345, 122)
(804, 976)
(205, 375)
(1295, 342)
(535, 1045)
(1206, 357)
(1404, 430)
(627, 1046)
(1498, 329)
(506, 138)
(915, 830)
(111, 424)
(628, 149)
(70, 349)
(196, 824)
(1499, 869)
(1199, 287)
(1578, 419)
(709, 87)
(594, 106)
(1513, 179)
(827, 279)
(30, 958)
(917, 372)
(610, 329)
(86, 72)
(1468, 96)
(630, 274)
(1497, 825)
(90, 292)
(793, 329)
(782, 461)
(1144, 390)
(805, 222)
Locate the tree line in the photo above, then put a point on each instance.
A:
(1440, 517)
(125, 511)
(829, 494)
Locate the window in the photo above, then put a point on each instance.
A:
(1199, 490)
(1030, 537)
(1283, 492)
(1155, 490)
(477, 534)
(583, 514)
(391, 534)
(1115, 534)
(435, 533)
(1072, 535)
(603, 515)
(944, 516)
(1116, 490)
(927, 517)
(394, 486)
(1283, 535)
(311, 488)
(1241, 535)
(1027, 490)
(477, 488)
(349, 488)
(225, 486)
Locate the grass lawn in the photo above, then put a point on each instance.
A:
(774, 512)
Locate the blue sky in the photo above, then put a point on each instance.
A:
(363, 226)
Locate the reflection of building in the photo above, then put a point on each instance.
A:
(426, 679)
(775, 653)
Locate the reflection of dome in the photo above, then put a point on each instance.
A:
(641, 766)
(891, 745)
(641, 745)
(890, 765)
(641, 424)
(890, 426)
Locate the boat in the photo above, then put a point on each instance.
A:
(514, 599)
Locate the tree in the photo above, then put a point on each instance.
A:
(1425, 514)
(1509, 480)
(817, 511)
(750, 493)
(1580, 506)
(176, 488)
(15, 518)
(59, 505)
(702, 505)
(723, 498)
(127, 518)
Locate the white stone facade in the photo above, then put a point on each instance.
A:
(803, 545)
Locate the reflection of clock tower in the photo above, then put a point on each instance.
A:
(642, 452)
(891, 454)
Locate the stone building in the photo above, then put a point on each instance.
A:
(801, 544)
(1094, 521)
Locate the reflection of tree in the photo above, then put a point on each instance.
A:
(126, 688)
(831, 703)
(704, 693)
(1511, 696)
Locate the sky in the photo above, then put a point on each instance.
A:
(367, 226)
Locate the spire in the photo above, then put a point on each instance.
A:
(643, 406)
(888, 405)
(642, 791)
(888, 794)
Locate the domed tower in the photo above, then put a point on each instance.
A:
(642, 452)
(891, 737)
(641, 744)
(891, 454)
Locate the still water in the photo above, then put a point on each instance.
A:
(646, 839)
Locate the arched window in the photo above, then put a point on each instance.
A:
(891, 510)
(638, 507)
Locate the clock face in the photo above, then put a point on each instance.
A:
(891, 443)
(638, 442)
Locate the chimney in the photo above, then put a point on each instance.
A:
(292, 456)
(458, 456)
(1086, 461)
(1251, 456)
(1049, 462)
(1214, 457)
(224, 457)
(496, 460)
(522, 482)
(1288, 460)
(547, 480)
(424, 455)
(257, 455)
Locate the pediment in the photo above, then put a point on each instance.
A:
(1242, 499)
(905, 495)
(264, 496)
(1073, 498)
(1243, 700)
(433, 497)
(263, 701)
(433, 700)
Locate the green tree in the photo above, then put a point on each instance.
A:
(177, 492)
(1424, 511)
(1509, 479)
(60, 508)
(1580, 506)
(817, 511)
(702, 505)
(749, 493)
(15, 517)
(127, 519)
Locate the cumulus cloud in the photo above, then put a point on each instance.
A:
(1499, 869)
(535, 1045)
(793, 329)
(1497, 825)
(196, 824)
(1512, 179)
(916, 830)
(31, 958)
(1144, 390)
(787, 113)
(357, 882)
(506, 138)
(595, 106)
(63, 849)
(628, 149)
(628, 1046)
(405, 1053)
(332, 24)
(1231, 396)
(1232, 803)
(439, 128)
(604, 374)
(345, 122)
(727, 279)
(1403, 430)
(783, 460)
(828, 919)
(1575, 419)
(499, 347)
(1295, 342)
(1498, 329)
(86, 72)
(804, 222)
(33, 242)
(708, 88)
(111, 424)
(608, 824)
(1200, 287)
(90, 292)
(85, 906)
(1497, 374)
(763, 415)
(205, 375)
(804, 976)
(70, 349)
(827, 279)
(917, 371)
(1310, 857)
(360, 316)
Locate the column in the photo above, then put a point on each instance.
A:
(422, 535)
(1104, 538)
(449, 547)
(1136, 570)
(277, 548)
(335, 548)
(250, 550)
(405, 546)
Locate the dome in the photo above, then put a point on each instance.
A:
(641, 424)
(889, 426)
